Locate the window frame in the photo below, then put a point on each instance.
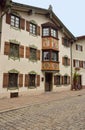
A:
(12, 48)
(33, 28)
(12, 77)
(14, 21)
(32, 84)
(33, 56)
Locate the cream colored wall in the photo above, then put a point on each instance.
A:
(79, 55)
(24, 66)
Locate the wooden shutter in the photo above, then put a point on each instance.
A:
(27, 52)
(6, 48)
(38, 30)
(8, 18)
(5, 80)
(22, 23)
(27, 26)
(62, 79)
(26, 80)
(62, 40)
(81, 64)
(74, 63)
(38, 80)
(55, 80)
(63, 61)
(20, 80)
(68, 61)
(38, 54)
(21, 51)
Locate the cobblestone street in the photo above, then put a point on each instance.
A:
(62, 114)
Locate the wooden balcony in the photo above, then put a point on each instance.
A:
(50, 43)
(50, 66)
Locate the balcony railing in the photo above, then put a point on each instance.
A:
(50, 43)
(50, 66)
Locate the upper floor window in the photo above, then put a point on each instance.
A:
(76, 63)
(53, 33)
(65, 61)
(45, 31)
(79, 47)
(15, 21)
(33, 53)
(65, 41)
(14, 50)
(33, 28)
(48, 31)
(50, 56)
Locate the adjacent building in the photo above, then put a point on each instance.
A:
(35, 51)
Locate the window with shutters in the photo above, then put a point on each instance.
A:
(33, 28)
(32, 79)
(14, 50)
(33, 54)
(15, 21)
(79, 47)
(66, 61)
(65, 41)
(13, 80)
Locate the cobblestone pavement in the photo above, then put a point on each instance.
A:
(63, 114)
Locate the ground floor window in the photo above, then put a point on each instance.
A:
(65, 80)
(13, 80)
(57, 80)
(32, 78)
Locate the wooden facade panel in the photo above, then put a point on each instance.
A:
(6, 48)
(20, 80)
(50, 66)
(5, 80)
(21, 51)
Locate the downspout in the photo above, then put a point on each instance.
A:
(71, 62)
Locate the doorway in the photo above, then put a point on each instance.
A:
(48, 81)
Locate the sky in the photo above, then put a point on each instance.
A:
(70, 12)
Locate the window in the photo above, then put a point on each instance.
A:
(66, 61)
(32, 78)
(65, 42)
(33, 28)
(76, 63)
(33, 54)
(45, 31)
(46, 56)
(79, 47)
(15, 21)
(14, 50)
(65, 79)
(54, 56)
(53, 33)
(58, 78)
(13, 80)
(50, 56)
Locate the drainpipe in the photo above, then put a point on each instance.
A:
(71, 62)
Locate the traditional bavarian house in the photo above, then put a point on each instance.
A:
(34, 51)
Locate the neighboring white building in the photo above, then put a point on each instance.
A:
(78, 54)
(35, 53)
